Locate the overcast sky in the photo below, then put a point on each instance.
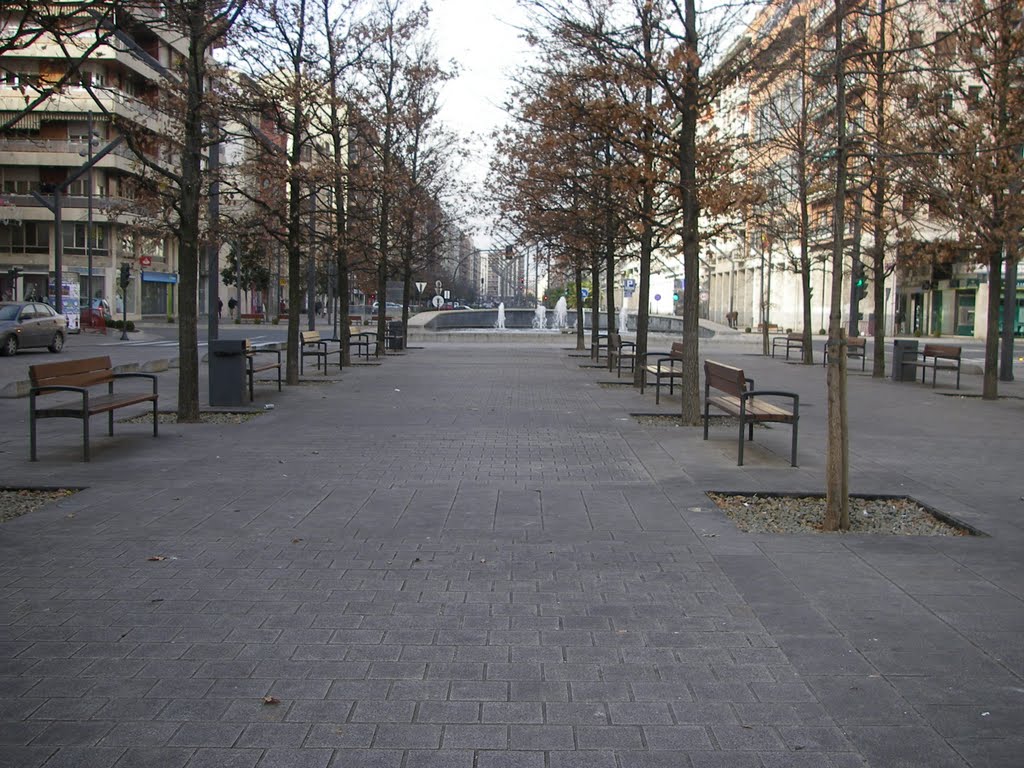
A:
(482, 36)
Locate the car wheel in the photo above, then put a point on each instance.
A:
(10, 346)
(58, 343)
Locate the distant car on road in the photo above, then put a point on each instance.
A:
(26, 324)
(389, 307)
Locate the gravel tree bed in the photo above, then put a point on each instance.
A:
(899, 516)
(17, 502)
(210, 417)
(673, 420)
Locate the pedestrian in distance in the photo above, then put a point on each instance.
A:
(231, 307)
(220, 306)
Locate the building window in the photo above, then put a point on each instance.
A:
(974, 97)
(916, 38)
(26, 237)
(74, 237)
(945, 45)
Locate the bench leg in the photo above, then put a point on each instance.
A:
(657, 390)
(739, 459)
(32, 428)
(792, 459)
(706, 415)
(156, 418)
(85, 437)
(110, 423)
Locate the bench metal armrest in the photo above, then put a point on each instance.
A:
(624, 344)
(750, 383)
(57, 388)
(671, 363)
(772, 393)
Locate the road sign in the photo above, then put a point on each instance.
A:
(584, 292)
(145, 261)
(630, 284)
(437, 301)
(420, 287)
(437, 284)
(657, 297)
(704, 295)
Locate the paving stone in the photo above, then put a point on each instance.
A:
(205, 735)
(150, 757)
(448, 712)
(510, 760)
(442, 758)
(132, 734)
(475, 737)
(66, 757)
(225, 758)
(539, 738)
(407, 736)
(268, 735)
(512, 712)
(285, 757)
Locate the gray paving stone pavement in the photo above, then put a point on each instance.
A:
(472, 554)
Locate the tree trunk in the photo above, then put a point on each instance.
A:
(595, 307)
(1009, 309)
(990, 378)
(188, 242)
(837, 497)
(689, 388)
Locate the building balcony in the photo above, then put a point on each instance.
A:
(61, 153)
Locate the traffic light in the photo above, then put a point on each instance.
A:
(126, 275)
(860, 282)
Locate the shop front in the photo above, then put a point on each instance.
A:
(158, 293)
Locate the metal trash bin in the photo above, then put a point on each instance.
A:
(904, 349)
(394, 338)
(227, 372)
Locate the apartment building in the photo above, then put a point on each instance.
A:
(76, 107)
(782, 113)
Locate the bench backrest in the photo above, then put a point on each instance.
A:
(72, 373)
(676, 352)
(309, 337)
(856, 341)
(946, 351)
(794, 337)
(614, 341)
(724, 378)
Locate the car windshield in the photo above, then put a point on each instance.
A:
(9, 311)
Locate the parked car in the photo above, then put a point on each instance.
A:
(25, 324)
(390, 307)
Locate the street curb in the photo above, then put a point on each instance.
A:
(21, 387)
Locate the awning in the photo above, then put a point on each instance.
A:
(159, 277)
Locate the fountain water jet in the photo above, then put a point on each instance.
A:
(561, 319)
(500, 325)
(623, 319)
(540, 317)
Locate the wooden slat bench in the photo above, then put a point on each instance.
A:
(254, 365)
(665, 366)
(312, 345)
(251, 317)
(619, 350)
(359, 341)
(788, 342)
(856, 346)
(735, 394)
(78, 376)
(944, 357)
